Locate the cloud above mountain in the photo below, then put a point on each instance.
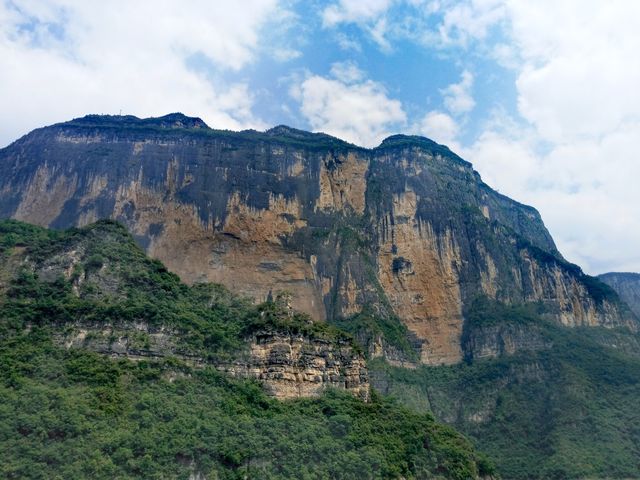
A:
(65, 58)
(540, 96)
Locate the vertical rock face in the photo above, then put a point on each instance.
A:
(418, 271)
(407, 227)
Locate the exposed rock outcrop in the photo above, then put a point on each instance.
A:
(505, 339)
(292, 366)
(288, 365)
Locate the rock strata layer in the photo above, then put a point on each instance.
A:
(288, 365)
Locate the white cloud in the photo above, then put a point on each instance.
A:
(387, 21)
(356, 110)
(505, 55)
(369, 15)
(286, 54)
(347, 72)
(577, 89)
(580, 72)
(505, 155)
(470, 20)
(439, 127)
(354, 11)
(592, 201)
(66, 58)
(348, 43)
(583, 189)
(378, 32)
(457, 96)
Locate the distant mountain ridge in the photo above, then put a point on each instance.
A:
(627, 285)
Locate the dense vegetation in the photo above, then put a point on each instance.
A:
(72, 413)
(75, 414)
(114, 282)
(369, 326)
(484, 311)
(567, 411)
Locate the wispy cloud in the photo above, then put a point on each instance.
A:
(457, 96)
(349, 106)
(354, 11)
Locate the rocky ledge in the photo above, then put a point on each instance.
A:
(292, 366)
(289, 365)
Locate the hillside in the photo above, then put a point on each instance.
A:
(141, 393)
(564, 404)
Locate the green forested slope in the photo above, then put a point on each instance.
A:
(570, 409)
(71, 413)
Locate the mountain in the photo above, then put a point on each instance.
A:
(456, 295)
(407, 230)
(110, 367)
(627, 286)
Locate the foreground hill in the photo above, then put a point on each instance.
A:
(154, 403)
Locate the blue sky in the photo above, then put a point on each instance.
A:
(540, 96)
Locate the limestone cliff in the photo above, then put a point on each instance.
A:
(292, 366)
(407, 228)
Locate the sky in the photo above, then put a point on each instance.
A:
(543, 97)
